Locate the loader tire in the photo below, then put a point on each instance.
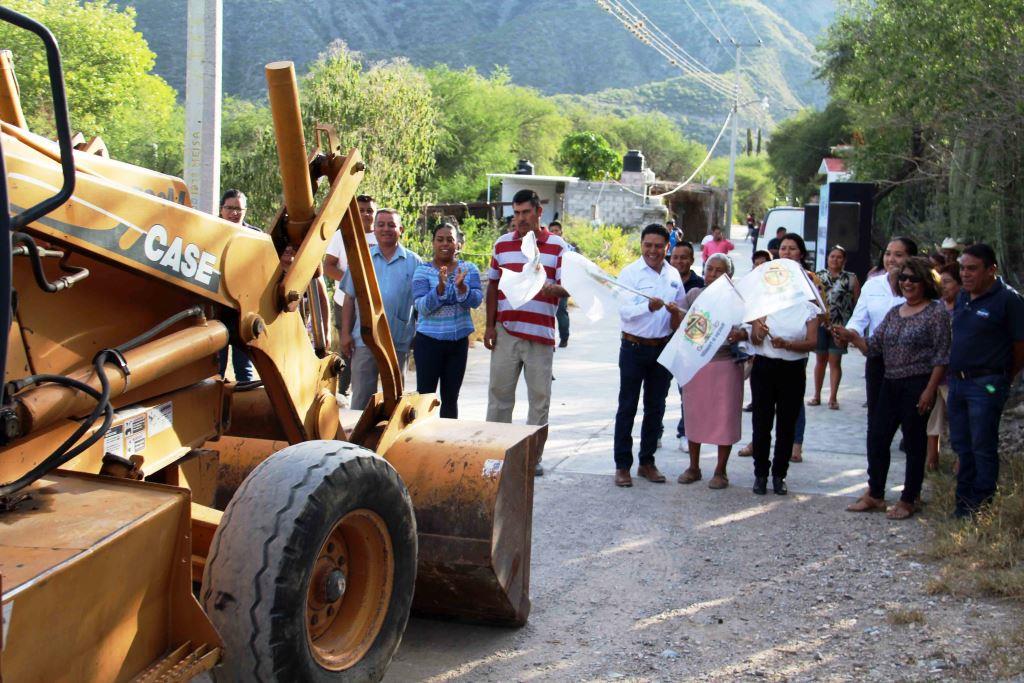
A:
(311, 572)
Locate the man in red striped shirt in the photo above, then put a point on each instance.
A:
(523, 339)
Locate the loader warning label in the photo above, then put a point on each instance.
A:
(161, 418)
(135, 435)
(113, 441)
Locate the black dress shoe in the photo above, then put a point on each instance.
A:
(760, 485)
(779, 485)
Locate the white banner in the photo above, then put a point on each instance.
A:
(523, 286)
(773, 286)
(712, 316)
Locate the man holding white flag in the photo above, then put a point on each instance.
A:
(648, 319)
(520, 333)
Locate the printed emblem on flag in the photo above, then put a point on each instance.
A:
(776, 276)
(698, 324)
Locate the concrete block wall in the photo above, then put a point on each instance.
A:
(616, 204)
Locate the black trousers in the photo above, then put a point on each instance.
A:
(441, 361)
(777, 390)
(874, 375)
(639, 370)
(897, 408)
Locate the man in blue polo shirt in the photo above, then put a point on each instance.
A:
(987, 354)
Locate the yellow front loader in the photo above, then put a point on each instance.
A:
(157, 521)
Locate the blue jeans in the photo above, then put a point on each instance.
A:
(681, 427)
(975, 407)
(239, 362)
(801, 425)
(562, 316)
(639, 370)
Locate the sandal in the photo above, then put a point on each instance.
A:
(901, 510)
(814, 402)
(747, 451)
(719, 481)
(867, 503)
(833, 405)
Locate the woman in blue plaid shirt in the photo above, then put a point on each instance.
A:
(444, 290)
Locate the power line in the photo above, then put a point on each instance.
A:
(751, 24)
(720, 22)
(675, 55)
(686, 182)
(668, 38)
(718, 41)
(636, 27)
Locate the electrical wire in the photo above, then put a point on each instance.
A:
(718, 41)
(638, 26)
(751, 25)
(674, 44)
(719, 18)
(686, 182)
(677, 57)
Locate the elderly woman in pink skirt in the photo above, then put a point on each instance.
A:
(713, 399)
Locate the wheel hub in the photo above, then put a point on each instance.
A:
(349, 590)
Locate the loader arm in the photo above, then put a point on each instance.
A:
(221, 262)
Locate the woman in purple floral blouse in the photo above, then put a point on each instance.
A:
(913, 340)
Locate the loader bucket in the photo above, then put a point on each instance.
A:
(471, 485)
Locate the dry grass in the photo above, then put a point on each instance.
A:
(905, 617)
(985, 557)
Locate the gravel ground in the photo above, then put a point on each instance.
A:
(661, 582)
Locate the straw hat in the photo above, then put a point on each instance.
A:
(950, 243)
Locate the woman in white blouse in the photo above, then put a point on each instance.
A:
(781, 344)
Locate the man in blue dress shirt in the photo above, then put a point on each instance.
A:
(394, 266)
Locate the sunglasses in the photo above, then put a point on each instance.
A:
(906, 277)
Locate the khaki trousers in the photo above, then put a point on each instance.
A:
(512, 355)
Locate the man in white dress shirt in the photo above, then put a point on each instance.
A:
(647, 324)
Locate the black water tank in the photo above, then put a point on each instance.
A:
(633, 161)
(524, 167)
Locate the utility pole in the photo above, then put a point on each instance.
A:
(203, 103)
(732, 145)
(732, 148)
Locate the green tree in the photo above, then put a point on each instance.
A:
(799, 143)
(669, 153)
(588, 156)
(387, 112)
(486, 124)
(937, 99)
(756, 188)
(112, 91)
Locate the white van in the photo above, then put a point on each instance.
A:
(789, 217)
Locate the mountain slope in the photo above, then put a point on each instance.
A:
(571, 47)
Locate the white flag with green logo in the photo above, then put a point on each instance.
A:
(775, 286)
(714, 312)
